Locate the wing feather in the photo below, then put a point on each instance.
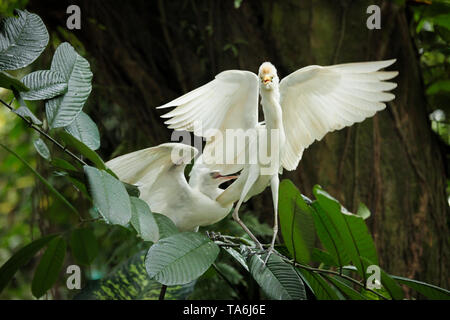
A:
(144, 167)
(317, 100)
(230, 101)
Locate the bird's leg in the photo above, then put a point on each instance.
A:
(274, 185)
(251, 179)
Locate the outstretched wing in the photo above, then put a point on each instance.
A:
(157, 171)
(230, 101)
(316, 100)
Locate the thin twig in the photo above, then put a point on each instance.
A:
(162, 293)
(43, 133)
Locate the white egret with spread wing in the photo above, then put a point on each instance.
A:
(302, 108)
(159, 174)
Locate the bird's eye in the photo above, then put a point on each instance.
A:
(214, 174)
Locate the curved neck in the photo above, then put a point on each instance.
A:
(273, 115)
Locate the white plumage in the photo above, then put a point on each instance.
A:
(304, 106)
(159, 174)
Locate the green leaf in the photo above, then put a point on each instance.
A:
(278, 279)
(363, 211)
(143, 220)
(323, 257)
(63, 164)
(84, 246)
(44, 84)
(43, 180)
(27, 114)
(346, 290)
(22, 40)
(319, 286)
(329, 236)
(63, 110)
(20, 258)
(389, 284)
(297, 222)
(442, 20)
(166, 227)
(42, 148)
(350, 228)
(180, 258)
(130, 281)
(237, 256)
(85, 130)
(84, 150)
(9, 82)
(49, 267)
(438, 86)
(133, 191)
(109, 196)
(428, 290)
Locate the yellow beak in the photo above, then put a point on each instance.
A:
(267, 79)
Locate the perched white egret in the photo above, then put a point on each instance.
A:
(301, 108)
(159, 174)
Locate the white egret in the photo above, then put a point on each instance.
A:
(302, 108)
(159, 174)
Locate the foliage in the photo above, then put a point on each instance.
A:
(431, 30)
(326, 253)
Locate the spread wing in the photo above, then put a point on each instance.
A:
(316, 100)
(230, 101)
(157, 171)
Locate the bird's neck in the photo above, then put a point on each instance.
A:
(270, 101)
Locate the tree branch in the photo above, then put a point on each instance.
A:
(43, 133)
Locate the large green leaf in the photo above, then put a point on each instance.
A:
(43, 180)
(85, 130)
(20, 258)
(109, 196)
(428, 290)
(346, 290)
(323, 257)
(297, 222)
(166, 227)
(350, 228)
(83, 149)
(44, 84)
(389, 284)
(84, 245)
(237, 256)
(328, 235)
(278, 279)
(320, 287)
(49, 267)
(61, 111)
(22, 39)
(143, 221)
(180, 258)
(11, 83)
(130, 281)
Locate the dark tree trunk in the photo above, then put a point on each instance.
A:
(144, 53)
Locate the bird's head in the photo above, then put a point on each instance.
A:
(207, 181)
(268, 76)
(214, 178)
